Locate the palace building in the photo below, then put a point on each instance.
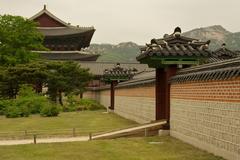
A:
(64, 41)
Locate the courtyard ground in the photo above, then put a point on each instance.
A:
(81, 123)
(147, 148)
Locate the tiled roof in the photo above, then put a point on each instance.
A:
(214, 71)
(45, 11)
(63, 31)
(221, 54)
(118, 73)
(68, 55)
(97, 68)
(175, 45)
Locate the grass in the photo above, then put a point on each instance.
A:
(84, 122)
(117, 149)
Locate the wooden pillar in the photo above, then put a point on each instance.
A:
(112, 98)
(162, 92)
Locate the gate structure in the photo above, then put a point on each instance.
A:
(116, 75)
(167, 55)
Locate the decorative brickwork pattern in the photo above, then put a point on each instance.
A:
(138, 91)
(221, 91)
(207, 115)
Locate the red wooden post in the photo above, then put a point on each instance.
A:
(112, 98)
(162, 91)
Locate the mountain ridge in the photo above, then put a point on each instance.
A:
(127, 51)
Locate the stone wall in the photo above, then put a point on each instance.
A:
(207, 115)
(136, 103)
(102, 96)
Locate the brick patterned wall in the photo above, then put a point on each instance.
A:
(221, 91)
(207, 115)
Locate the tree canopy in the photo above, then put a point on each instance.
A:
(67, 77)
(19, 36)
(60, 77)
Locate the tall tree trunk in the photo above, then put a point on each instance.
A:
(81, 95)
(60, 98)
(38, 87)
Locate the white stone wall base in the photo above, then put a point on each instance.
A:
(204, 146)
(162, 132)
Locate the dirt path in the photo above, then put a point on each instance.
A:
(114, 134)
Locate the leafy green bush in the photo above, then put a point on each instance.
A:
(82, 104)
(50, 110)
(3, 106)
(28, 102)
(71, 104)
(12, 112)
(15, 109)
(89, 104)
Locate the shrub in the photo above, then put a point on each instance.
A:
(71, 104)
(16, 109)
(50, 110)
(3, 106)
(88, 104)
(36, 103)
(28, 102)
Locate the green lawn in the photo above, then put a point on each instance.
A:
(84, 122)
(118, 149)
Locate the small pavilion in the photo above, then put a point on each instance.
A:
(116, 75)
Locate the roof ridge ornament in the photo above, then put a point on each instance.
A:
(224, 46)
(177, 32)
(44, 7)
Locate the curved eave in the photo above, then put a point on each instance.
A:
(87, 37)
(177, 54)
(75, 57)
(65, 35)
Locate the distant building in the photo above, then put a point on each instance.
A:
(222, 54)
(64, 41)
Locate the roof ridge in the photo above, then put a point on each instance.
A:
(44, 10)
(209, 65)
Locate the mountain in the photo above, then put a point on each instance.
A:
(122, 52)
(127, 51)
(217, 34)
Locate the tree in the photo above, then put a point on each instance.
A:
(11, 77)
(19, 37)
(66, 77)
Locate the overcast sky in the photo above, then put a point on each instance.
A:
(133, 20)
